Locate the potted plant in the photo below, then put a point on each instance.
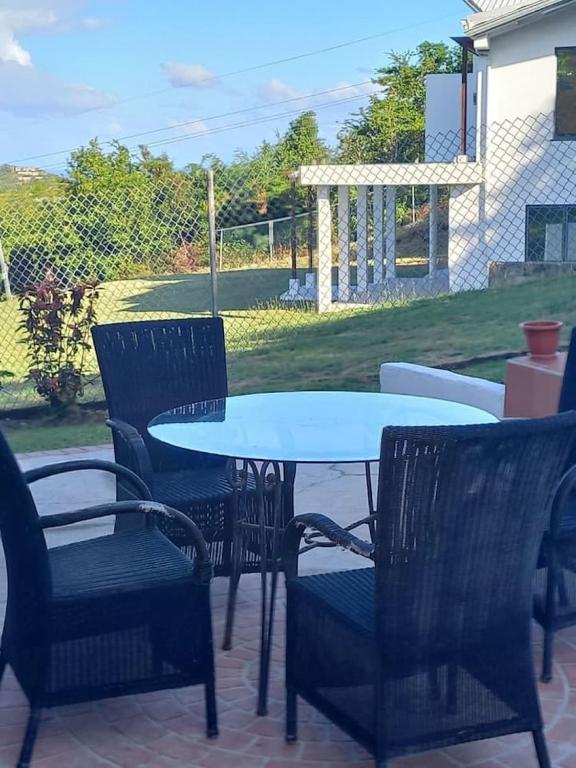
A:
(542, 337)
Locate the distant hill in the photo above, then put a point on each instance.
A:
(31, 180)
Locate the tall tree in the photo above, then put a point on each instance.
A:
(391, 128)
(301, 144)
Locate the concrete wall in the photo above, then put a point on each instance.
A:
(524, 165)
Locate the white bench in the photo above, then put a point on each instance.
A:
(410, 379)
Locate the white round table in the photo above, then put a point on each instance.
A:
(290, 428)
(304, 427)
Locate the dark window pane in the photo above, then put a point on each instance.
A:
(545, 233)
(566, 93)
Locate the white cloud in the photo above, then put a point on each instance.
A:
(190, 127)
(276, 90)
(190, 75)
(344, 90)
(92, 22)
(27, 92)
(13, 21)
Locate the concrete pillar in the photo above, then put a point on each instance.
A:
(391, 231)
(378, 240)
(466, 257)
(324, 229)
(362, 240)
(433, 231)
(343, 243)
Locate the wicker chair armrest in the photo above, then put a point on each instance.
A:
(40, 473)
(203, 564)
(133, 440)
(565, 488)
(328, 528)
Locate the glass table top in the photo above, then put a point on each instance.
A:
(304, 427)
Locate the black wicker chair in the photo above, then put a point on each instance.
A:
(119, 614)
(432, 646)
(555, 600)
(154, 366)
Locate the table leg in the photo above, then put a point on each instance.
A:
(275, 507)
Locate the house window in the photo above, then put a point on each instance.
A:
(551, 233)
(566, 93)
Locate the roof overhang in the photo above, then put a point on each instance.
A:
(488, 24)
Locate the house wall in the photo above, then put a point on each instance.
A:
(523, 164)
(443, 116)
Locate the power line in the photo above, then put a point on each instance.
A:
(265, 65)
(229, 127)
(200, 120)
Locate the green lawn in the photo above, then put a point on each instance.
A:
(280, 349)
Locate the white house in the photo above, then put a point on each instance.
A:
(502, 139)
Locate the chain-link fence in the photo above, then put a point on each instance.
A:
(285, 249)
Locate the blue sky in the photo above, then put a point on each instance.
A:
(74, 69)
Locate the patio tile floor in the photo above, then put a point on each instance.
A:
(166, 729)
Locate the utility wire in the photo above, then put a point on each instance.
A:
(229, 127)
(200, 120)
(245, 70)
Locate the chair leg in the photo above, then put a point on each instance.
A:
(541, 749)
(211, 711)
(30, 737)
(291, 715)
(548, 656)
(237, 555)
(230, 610)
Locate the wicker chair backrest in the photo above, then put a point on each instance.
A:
(462, 512)
(29, 581)
(568, 394)
(153, 366)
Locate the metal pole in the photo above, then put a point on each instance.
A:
(221, 254)
(4, 274)
(212, 243)
(271, 240)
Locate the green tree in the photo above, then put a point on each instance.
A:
(301, 144)
(391, 128)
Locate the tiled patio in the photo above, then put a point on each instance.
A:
(167, 728)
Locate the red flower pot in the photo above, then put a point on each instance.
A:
(542, 337)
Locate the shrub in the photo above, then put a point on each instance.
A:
(186, 258)
(56, 322)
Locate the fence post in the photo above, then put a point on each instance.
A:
(271, 240)
(433, 231)
(293, 241)
(324, 282)
(343, 243)
(378, 246)
(362, 241)
(310, 228)
(391, 231)
(212, 243)
(4, 274)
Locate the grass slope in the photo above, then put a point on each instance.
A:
(289, 349)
